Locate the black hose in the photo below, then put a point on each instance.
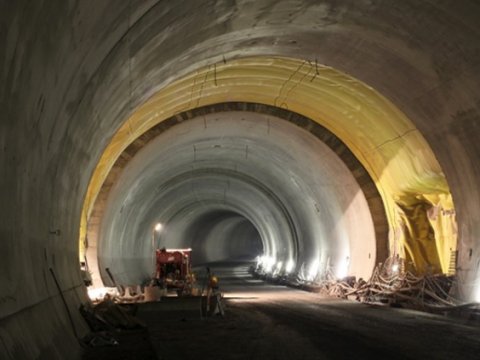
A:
(64, 303)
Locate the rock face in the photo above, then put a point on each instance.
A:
(71, 73)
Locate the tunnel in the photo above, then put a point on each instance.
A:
(312, 134)
(212, 171)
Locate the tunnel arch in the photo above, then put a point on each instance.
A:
(395, 155)
(61, 96)
(359, 173)
(242, 161)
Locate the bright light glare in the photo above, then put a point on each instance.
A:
(290, 266)
(476, 292)
(268, 263)
(158, 227)
(313, 270)
(395, 268)
(260, 260)
(99, 293)
(279, 266)
(342, 268)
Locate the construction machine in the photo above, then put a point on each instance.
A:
(174, 270)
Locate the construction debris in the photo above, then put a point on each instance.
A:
(107, 315)
(99, 339)
(389, 285)
(396, 289)
(106, 321)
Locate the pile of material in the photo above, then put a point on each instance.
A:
(389, 285)
(427, 292)
(107, 315)
(127, 294)
(116, 332)
(105, 320)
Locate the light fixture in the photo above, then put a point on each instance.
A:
(313, 269)
(279, 266)
(260, 260)
(342, 268)
(157, 228)
(290, 266)
(476, 291)
(268, 263)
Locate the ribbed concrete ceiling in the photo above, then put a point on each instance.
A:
(301, 198)
(387, 144)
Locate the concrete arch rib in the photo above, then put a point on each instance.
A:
(359, 173)
(278, 235)
(271, 171)
(389, 147)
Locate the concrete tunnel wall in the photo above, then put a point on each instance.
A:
(69, 78)
(254, 164)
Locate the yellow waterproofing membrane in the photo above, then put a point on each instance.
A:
(412, 185)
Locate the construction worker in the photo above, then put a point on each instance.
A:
(213, 295)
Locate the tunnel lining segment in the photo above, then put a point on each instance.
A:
(360, 174)
(250, 181)
(403, 166)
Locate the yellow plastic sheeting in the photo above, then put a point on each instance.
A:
(388, 145)
(445, 226)
(428, 232)
(418, 239)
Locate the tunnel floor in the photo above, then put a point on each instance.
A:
(264, 321)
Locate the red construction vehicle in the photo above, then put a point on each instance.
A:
(174, 270)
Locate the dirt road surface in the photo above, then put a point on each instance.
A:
(264, 321)
(270, 322)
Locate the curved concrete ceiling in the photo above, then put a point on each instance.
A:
(302, 199)
(381, 137)
(73, 74)
(387, 144)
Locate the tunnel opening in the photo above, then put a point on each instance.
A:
(332, 248)
(386, 161)
(215, 236)
(303, 199)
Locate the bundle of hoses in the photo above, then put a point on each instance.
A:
(395, 287)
